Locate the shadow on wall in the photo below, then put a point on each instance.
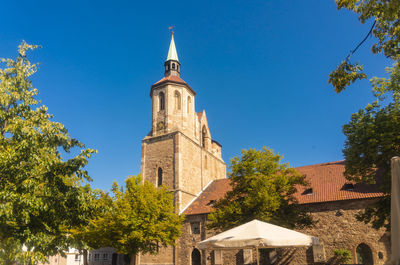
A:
(239, 257)
(285, 256)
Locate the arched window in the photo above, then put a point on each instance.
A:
(177, 100)
(205, 162)
(196, 257)
(364, 254)
(161, 99)
(203, 137)
(189, 101)
(159, 177)
(173, 66)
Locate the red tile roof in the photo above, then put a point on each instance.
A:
(171, 78)
(215, 191)
(326, 180)
(199, 114)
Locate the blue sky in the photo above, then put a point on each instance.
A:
(260, 70)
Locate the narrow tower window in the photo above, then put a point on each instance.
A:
(173, 66)
(159, 178)
(203, 137)
(189, 101)
(161, 98)
(177, 100)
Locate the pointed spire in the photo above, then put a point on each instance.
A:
(172, 54)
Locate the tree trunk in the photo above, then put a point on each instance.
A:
(85, 255)
(133, 259)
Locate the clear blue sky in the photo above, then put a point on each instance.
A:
(260, 70)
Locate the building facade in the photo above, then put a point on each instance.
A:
(180, 153)
(330, 199)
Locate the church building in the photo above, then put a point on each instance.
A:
(180, 153)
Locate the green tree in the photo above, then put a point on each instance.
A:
(141, 219)
(386, 28)
(342, 256)
(95, 204)
(373, 138)
(39, 190)
(373, 134)
(262, 188)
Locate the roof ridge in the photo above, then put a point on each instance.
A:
(324, 164)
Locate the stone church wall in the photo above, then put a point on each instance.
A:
(197, 168)
(336, 227)
(158, 152)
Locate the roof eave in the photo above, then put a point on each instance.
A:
(166, 82)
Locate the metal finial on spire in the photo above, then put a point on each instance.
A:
(172, 54)
(171, 29)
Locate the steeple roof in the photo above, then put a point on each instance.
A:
(172, 54)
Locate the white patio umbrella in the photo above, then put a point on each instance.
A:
(256, 234)
(395, 211)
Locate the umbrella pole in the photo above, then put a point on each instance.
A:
(258, 261)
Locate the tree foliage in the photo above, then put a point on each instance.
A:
(386, 29)
(95, 204)
(39, 191)
(141, 219)
(342, 256)
(262, 188)
(373, 138)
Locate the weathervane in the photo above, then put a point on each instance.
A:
(171, 29)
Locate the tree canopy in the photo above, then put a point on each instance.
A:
(262, 188)
(373, 138)
(39, 190)
(141, 219)
(386, 29)
(373, 135)
(95, 204)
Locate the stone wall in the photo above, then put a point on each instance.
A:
(197, 167)
(336, 227)
(158, 152)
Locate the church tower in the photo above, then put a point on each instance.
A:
(179, 151)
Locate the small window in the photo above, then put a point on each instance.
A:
(195, 227)
(173, 66)
(76, 257)
(90, 257)
(159, 177)
(161, 99)
(205, 162)
(105, 256)
(203, 137)
(308, 192)
(96, 257)
(177, 100)
(211, 202)
(189, 101)
(348, 186)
